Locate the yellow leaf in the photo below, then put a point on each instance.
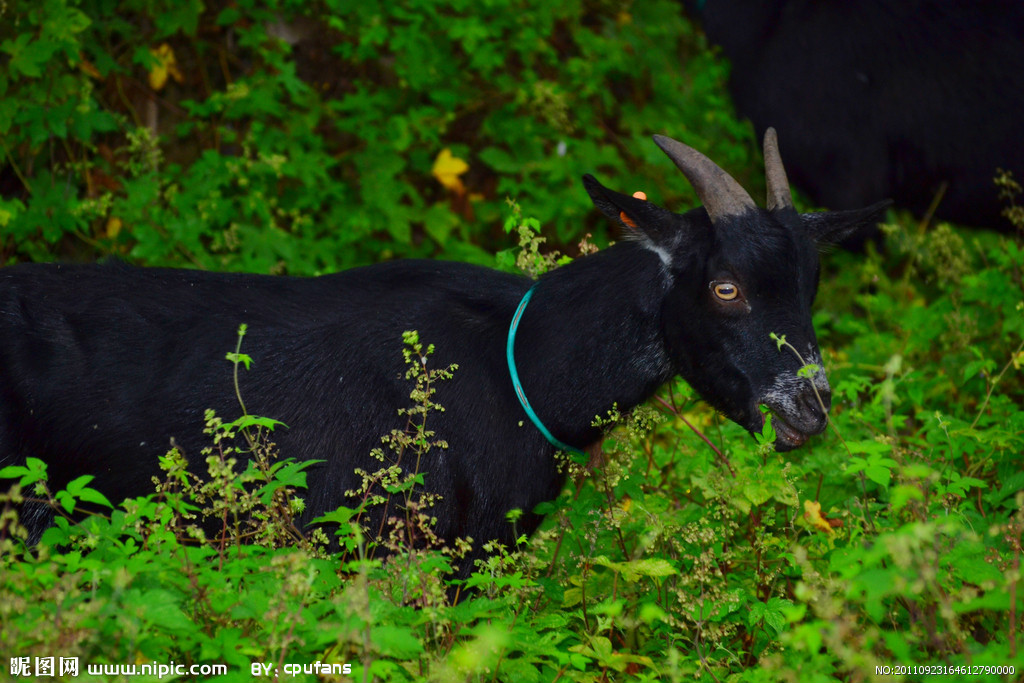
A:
(166, 66)
(114, 225)
(812, 513)
(447, 170)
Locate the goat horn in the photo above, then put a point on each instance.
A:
(721, 195)
(779, 196)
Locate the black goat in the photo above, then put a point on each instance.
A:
(883, 99)
(102, 365)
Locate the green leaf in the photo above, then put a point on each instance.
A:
(90, 495)
(162, 608)
(13, 472)
(879, 474)
(900, 495)
(632, 570)
(242, 358)
(958, 486)
(396, 641)
(756, 491)
(772, 613)
(808, 371)
(27, 56)
(255, 421)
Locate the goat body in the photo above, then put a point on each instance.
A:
(101, 366)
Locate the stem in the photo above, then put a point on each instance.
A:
(675, 411)
(992, 387)
(249, 439)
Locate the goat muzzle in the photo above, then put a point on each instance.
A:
(807, 416)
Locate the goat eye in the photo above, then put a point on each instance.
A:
(726, 291)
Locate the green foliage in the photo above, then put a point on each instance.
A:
(309, 137)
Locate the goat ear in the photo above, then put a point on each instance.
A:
(638, 217)
(831, 227)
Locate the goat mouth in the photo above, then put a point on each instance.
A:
(787, 437)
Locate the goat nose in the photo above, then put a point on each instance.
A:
(815, 405)
(826, 399)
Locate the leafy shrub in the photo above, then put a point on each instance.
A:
(309, 137)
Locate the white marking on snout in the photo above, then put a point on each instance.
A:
(781, 395)
(820, 379)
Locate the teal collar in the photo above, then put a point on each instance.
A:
(520, 394)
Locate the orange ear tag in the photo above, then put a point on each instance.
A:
(622, 214)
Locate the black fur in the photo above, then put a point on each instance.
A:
(102, 365)
(883, 99)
